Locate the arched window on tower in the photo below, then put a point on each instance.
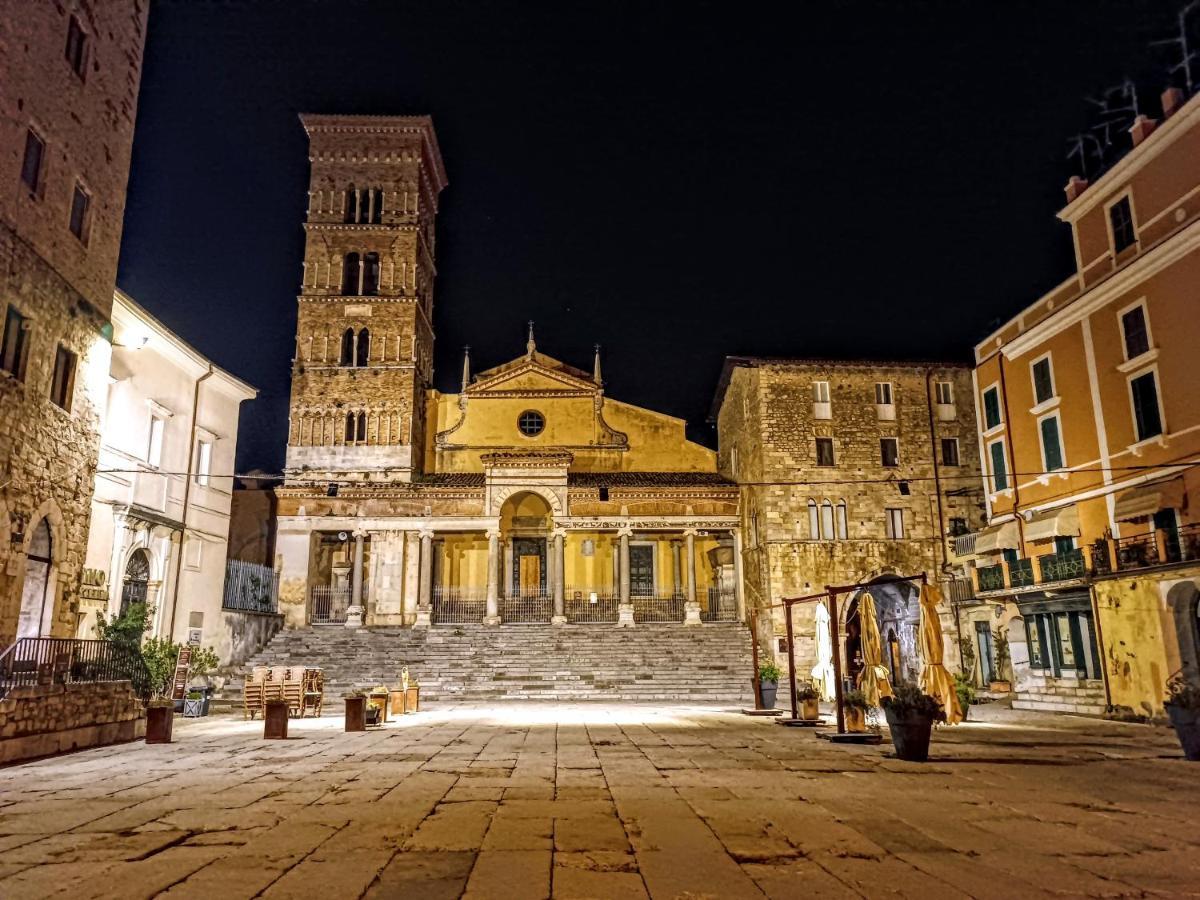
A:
(362, 354)
(814, 524)
(377, 206)
(351, 268)
(351, 205)
(842, 521)
(347, 355)
(826, 520)
(370, 276)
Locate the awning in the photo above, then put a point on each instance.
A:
(1062, 522)
(1144, 501)
(998, 537)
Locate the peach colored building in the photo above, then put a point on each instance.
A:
(1089, 433)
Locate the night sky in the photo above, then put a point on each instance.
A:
(674, 181)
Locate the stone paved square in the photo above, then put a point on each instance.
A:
(531, 800)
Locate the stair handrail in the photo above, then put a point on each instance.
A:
(48, 660)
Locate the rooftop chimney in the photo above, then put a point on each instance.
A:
(1075, 187)
(1172, 99)
(1141, 128)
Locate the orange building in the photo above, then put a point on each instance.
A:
(1089, 432)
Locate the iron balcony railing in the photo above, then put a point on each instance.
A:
(327, 605)
(251, 587)
(658, 608)
(991, 578)
(1020, 572)
(457, 606)
(964, 544)
(721, 606)
(590, 605)
(45, 661)
(527, 608)
(1062, 566)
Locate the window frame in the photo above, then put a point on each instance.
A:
(1048, 359)
(948, 399)
(1126, 197)
(814, 520)
(895, 442)
(887, 391)
(204, 449)
(1151, 370)
(154, 448)
(991, 459)
(15, 367)
(521, 428)
(1121, 314)
(85, 219)
(827, 521)
(820, 440)
(38, 187)
(893, 523)
(841, 520)
(953, 442)
(821, 392)
(994, 389)
(62, 378)
(1062, 450)
(78, 61)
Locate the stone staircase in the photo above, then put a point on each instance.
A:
(1060, 695)
(709, 663)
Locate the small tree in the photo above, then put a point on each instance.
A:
(128, 627)
(203, 662)
(1002, 655)
(160, 656)
(966, 648)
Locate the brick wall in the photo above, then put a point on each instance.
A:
(42, 720)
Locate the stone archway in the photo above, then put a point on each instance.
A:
(898, 611)
(42, 549)
(526, 518)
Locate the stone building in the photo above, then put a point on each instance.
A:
(530, 496)
(69, 76)
(1090, 429)
(160, 513)
(849, 471)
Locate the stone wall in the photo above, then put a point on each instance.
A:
(41, 720)
(243, 634)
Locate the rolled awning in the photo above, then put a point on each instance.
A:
(1147, 499)
(998, 537)
(1062, 522)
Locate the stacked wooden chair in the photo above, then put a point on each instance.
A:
(301, 687)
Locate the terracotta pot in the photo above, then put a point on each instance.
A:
(160, 720)
(275, 720)
(810, 709)
(356, 713)
(910, 734)
(1186, 723)
(856, 719)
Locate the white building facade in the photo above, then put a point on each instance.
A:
(160, 512)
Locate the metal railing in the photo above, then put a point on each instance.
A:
(251, 587)
(963, 544)
(457, 606)
(991, 578)
(660, 608)
(1020, 572)
(1159, 547)
(960, 590)
(590, 605)
(527, 608)
(1062, 566)
(327, 605)
(721, 606)
(45, 661)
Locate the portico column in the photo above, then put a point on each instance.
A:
(625, 608)
(677, 566)
(560, 616)
(354, 613)
(425, 589)
(492, 612)
(691, 609)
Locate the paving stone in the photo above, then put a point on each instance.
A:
(427, 875)
(519, 874)
(583, 884)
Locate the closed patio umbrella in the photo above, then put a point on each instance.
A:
(935, 680)
(873, 679)
(822, 672)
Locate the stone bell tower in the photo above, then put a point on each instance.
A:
(364, 333)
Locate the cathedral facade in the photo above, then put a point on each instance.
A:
(527, 497)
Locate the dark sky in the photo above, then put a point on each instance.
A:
(675, 181)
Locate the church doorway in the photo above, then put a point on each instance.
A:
(36, 592)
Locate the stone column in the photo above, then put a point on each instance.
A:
(738, 586)
(625, 607)
(492, 613)
(412, 576)
(425, 590)
(691, 609)
(559, 617)
(354, 612)
(677, 566)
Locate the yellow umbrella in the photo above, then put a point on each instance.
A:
(935, 680)
(873, 679)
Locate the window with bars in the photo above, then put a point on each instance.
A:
(531, 423)
(62, 383)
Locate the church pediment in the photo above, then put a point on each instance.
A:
(533, 377)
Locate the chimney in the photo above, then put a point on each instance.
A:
(1075, 187)
(1141, 129)
(1172, 99)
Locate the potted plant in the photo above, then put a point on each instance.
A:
(195, 704)
(854, 711)
(1001, 685)
(810, 702)
(1183, 707)
(160, 655)
(964, 687)
(768, 682)
(910, 716)
(356, 713)
(203, 663)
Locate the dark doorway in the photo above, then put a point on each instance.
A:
(529, 566)
(987, 658)
(641, 570)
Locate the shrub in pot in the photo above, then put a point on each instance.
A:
(854, 710)
(965, 689)
(810, 700)
(768, 682)
(1183, 707)
(910, 716)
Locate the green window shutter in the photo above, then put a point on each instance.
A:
(1051, 444)
(999, 472)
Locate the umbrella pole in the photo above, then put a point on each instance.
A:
(837, 659)
(787, 611)
(754, 685)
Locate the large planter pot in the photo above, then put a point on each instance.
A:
(910, 734)
(856, 719)
(810, 709)
(768, 690)
(275, 720)
(412, 699)
(160, 721)
(1186, 722)
(356, 713)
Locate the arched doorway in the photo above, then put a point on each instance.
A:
(137, 579)
(525, 523)
(899, 617)
(37, 602)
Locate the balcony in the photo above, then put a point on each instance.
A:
(1161, 547)
(1020, 573)
(1062, 566)
(991, 578)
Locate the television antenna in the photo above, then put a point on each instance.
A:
(1186, 54)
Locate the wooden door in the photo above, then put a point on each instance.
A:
(530, 574)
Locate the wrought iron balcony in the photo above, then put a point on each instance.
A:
(1020, 573)
(991, 578)
(1160, 547)
(1062, 566)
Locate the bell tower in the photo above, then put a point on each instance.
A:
(364, 332)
